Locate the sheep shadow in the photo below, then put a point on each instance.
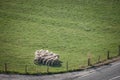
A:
(59, 64)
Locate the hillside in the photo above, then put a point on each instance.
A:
(73, 29)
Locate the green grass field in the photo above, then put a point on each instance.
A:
(73, 29)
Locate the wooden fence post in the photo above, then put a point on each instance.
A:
(26, 69)
(89, 62)
(47, 68)
(36, 70)
(67, 65)
(108, 55)
(98, 59)
(119, 50)
(5, 67)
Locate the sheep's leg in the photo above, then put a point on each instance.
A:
(52, 62)
(49, 62)
(44, 61)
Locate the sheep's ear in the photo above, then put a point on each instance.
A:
(36, 51)
(40, 50)
(47, 51)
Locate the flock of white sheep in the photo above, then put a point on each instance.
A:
(46, 57)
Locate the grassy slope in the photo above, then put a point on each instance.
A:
(71, 28)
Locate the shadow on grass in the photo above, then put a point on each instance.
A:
(59, 64)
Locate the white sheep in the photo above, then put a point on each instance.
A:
(46, 57)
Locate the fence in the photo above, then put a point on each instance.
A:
(42, 69)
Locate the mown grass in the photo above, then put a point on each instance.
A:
(73, 29)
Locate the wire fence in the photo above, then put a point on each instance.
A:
(43, 69)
